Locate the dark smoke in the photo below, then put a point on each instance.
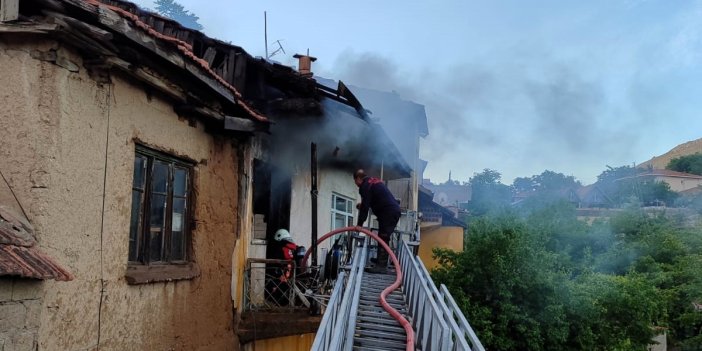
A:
(507, 115)
(342, 138)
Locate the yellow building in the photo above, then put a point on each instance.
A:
(439, 229)
(678, 181)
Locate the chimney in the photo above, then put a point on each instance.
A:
(304, 65)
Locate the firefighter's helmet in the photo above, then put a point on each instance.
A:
(282, 234)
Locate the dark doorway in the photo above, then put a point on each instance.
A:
(272, 193)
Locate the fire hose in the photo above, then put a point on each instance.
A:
(398, 278)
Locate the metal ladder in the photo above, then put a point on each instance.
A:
(354, 320)
(375, 329)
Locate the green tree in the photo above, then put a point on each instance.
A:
(692, 201)
(648, 192)
(547, 181)
(523, 185)
(545, 188)
(610, 182)
(547, 281)
(508, 287)
(620, 184)
(177, 12)
(553, 181)
(487, 193)
(688, 164)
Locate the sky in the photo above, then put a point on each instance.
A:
(510, 85)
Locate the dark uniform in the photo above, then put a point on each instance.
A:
(377, 197)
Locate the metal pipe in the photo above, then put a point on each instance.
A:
(314, 193)
(265, 32)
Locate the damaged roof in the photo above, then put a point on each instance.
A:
(205, 76)
(19, 255)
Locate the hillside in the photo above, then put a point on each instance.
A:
(687, 148)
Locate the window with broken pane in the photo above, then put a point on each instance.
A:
(161, 191)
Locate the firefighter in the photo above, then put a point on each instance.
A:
(377, 197)
(282, 236)
(287, 247)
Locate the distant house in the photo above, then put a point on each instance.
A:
(569, 194)
(592, 196)
(450, 193)
(678, 181)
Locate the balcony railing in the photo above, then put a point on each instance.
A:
(272, 285)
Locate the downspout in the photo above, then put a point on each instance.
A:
(314, 193)
(382, 169)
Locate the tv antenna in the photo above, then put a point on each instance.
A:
(265, 38)
(279, 49)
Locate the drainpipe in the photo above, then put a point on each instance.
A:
(314, 193)
(382, 169)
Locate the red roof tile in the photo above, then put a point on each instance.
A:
(669, 173)
(29, 262)
(18, 254)
(662, 173)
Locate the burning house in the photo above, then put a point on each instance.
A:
(405, 123)
(152, 162)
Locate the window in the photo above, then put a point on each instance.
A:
(342, 211)
(161, 192)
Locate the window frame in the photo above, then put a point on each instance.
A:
(348, 215)
(141, 256)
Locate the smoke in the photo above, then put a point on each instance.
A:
(519, 116)
(342, 138)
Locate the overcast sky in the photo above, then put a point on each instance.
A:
(511, 85)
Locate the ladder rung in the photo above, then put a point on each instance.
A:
(366, 297)
(379, 343)
(362, 348)
(364, 325)
(382, 335)
(379, 322)
(380, 308)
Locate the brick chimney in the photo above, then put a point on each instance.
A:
(304, 66)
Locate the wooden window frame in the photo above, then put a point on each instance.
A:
(141, 269)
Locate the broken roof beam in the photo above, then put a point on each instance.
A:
(238, 124)
(89, 36)
(33, 28)
(163, 85)
(345, 96)
(209, 55)
(88, 29)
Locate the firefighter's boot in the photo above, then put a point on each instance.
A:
(381, 266)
